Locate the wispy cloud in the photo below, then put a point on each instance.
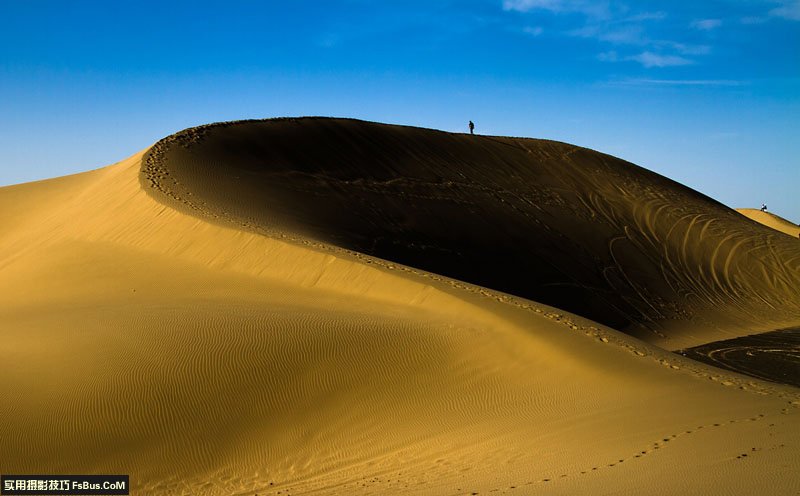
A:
(646, 59)
(750, 20)
(628, 34)
(590, 8)
(652, 38)
(623, 28)
(789, 9)
(706, 24)
(526, 5)
(609, 56)
(533, 30)
(785, 9)
(646, 16)
(683, 48)
(650, 59)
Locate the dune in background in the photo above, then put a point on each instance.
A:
(771, 220)
(190, 316)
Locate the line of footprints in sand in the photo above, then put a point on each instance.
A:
(663, 442)
(650, 449)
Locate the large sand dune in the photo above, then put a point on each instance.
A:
(555, 223)
(143, 335)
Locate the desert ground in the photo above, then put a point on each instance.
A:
(332, 306)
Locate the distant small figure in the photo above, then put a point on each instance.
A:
(763, 207)
(471, 127)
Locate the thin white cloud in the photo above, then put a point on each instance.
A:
(789, 9)
(533, 30)
(647, 59)
(629, 35)
(646, 16)
(650, 59)
(683, 48)
(750, 20)
(618, 25)
(706, 24)
(610, 56)
(526, 5)
(590, 8)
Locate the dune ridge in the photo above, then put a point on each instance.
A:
(551, 222)
(771, 220)
(200, 357)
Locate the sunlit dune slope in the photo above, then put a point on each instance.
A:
(771, 220)
(205, 359)
(567, 226)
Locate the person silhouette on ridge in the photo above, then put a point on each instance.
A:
(471, 127)
(763, 207)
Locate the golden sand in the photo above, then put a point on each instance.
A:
(771, 220)
(143, 336)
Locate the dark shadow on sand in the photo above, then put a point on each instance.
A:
(773, 356)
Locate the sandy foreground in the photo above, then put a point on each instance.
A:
(145, 333)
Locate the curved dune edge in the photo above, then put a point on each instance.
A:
(202, 359)
(771, 220)
(551, 222)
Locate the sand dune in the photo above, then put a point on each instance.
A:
(551, 222)
(143, 335)
(771, 220)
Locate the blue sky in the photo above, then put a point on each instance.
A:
(704, 92)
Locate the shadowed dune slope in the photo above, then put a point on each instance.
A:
(555, 223)
(771, 220)
(203, 359)
(773, 356)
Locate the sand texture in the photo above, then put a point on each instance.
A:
(771, 220)
(322, 306)
(774, 356)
